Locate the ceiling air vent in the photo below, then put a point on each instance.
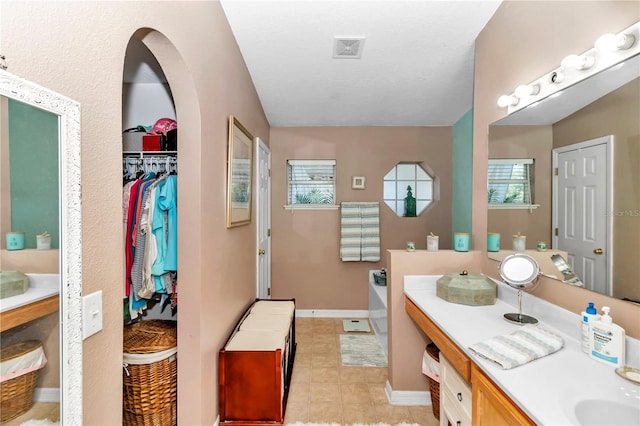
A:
(348, 47)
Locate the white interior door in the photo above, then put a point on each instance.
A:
(582, 194)
(263, 201)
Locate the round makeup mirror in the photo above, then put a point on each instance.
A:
(521, 272)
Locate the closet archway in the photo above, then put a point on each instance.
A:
(181, 90)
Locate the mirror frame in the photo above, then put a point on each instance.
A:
(240, 140)
(70, 252)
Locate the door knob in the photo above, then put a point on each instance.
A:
(598, 251)
(261, 252)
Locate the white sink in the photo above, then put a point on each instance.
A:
(598, 412)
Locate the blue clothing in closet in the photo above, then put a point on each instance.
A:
(165, 229)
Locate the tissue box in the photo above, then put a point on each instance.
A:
(13, 283)
(467, 289)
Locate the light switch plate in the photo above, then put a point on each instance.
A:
(91, 314)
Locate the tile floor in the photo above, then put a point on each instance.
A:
(323, 391)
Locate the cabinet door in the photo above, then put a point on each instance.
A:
(491, 406)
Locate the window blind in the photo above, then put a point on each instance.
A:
(311, 181)
(510, 181)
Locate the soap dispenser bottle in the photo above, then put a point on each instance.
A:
(607, 340)
(589, 315)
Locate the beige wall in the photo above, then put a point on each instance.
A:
(524, 142)
(616, 114)
(305, 248)
(536, 36)
(77, 49)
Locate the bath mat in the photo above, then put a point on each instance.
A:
(356, 325)
(361, 351)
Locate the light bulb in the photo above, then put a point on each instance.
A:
(578, 62)
(612, 42)
(507, 100)
(527, 90)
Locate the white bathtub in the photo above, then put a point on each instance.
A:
(378, 310)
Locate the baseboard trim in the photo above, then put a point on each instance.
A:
(331, 313)
(217, 422)
(46, 395)
(407, 397)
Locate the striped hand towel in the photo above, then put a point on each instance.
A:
(360, 232)
(529, 343)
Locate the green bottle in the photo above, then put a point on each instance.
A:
(409, 204)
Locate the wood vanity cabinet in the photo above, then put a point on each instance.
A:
(23, 314)
(490, 406)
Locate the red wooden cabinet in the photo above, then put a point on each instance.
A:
(254, 373)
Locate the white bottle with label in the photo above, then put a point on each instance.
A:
(589, 315)
(607, 340)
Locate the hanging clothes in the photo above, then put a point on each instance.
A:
(150, 232)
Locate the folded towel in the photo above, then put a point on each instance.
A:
(529, 343)
(360, 232)
(430, 367)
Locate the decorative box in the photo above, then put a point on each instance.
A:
(13, 283)
(467, 289)
(151, 142)
(132, 141)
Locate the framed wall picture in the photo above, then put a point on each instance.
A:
(239, 174)
(358, 182)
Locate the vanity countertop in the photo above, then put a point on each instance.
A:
(548, 388)
(41, 286)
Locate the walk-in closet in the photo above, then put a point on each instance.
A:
(150, 232)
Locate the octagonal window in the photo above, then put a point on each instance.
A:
(408, 189)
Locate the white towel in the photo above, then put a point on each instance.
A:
(360, 232)
(430, 367)
(529, 343)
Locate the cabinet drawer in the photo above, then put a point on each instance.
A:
(455, 386)
(452, 412)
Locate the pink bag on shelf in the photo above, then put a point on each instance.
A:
(163, 125)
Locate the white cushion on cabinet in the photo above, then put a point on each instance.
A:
(256, 340)
(279, 307)
(269, 322)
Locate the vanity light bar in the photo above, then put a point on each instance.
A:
(609, 50)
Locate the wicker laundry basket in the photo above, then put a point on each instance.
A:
(434, 387)
(150, 373)
(17, 392)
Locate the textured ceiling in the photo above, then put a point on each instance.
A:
(416, 67)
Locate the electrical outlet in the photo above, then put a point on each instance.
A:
(91, 314)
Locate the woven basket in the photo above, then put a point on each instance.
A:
(434, 387)
(17, 393)
(150, 390)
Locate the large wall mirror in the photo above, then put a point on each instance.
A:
(607, 103)
(55, 120)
